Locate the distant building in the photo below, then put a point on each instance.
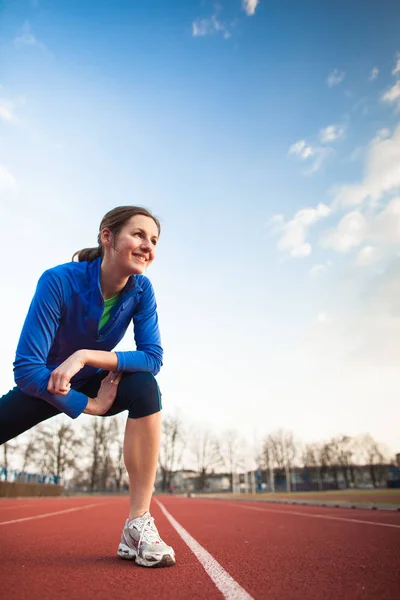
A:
(185, 480)
(281, 480)
(332, 478)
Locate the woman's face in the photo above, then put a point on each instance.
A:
(134, 248)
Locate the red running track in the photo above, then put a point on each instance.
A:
(276, 552)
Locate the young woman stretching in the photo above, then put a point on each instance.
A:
(65, 364)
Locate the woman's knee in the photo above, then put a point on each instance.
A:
(142, 394)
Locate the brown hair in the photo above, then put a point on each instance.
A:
(115, 219)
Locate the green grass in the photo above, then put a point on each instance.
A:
(358, 496)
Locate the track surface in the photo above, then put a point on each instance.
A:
(264, 552)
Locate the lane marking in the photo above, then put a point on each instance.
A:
(316, 516)
(229, 588)
(52, 514)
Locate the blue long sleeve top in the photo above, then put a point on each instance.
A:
(64, 317)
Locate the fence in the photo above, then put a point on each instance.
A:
(12, 475)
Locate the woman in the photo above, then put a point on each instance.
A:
(65, 363)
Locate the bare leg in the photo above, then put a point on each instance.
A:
(141, 448)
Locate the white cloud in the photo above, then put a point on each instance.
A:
(277, 221)
(301, 149)
(374, 74)
(362, 105)
(349, 233)
(350, 195)
(294, 232)
(26, 37)
(393, 95)
(382, 172)
(322, 317)
(384, 227)
(355, 154)
(7, 110)
(203, 27)
(250, 6)
(7, 179)
(383, 133)
(374, 224)
(367, 256)
(397, 67)
(331, 133)
(379, 229)
(320, 268)
(316, 154)
(320, 156)
(335, 77)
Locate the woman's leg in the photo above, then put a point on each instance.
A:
(141, 447)
(139, 394)
(142, 437)
(19, 412)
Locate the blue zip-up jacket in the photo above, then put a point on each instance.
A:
(64, 317)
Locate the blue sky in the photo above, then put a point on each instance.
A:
(227, 121)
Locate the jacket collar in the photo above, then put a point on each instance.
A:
(94, 275)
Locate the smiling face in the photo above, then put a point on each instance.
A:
(134, 247)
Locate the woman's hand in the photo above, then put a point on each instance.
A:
(59, 382)
(105, 396)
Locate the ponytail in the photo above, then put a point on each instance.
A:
(88, 254)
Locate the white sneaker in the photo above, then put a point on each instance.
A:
(141, 542)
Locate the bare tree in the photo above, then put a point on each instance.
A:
(311, 458)
(280, 451)
(10, 449)
(55, 448)
(373, 455)
(338, 456)
(30, 451)
(268, 461)
(118, 447)
(233, 451)
(6, 448)
(104, 439)
(171, 448)
(207, 453)
(5, 460)
(94, 440)
(345, 450)
(330, 460)
(100, 436)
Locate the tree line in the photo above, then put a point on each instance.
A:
(90, 457)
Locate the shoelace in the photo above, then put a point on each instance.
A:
(148, 532)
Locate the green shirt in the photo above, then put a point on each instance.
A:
(108, 304)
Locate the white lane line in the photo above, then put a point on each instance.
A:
(313, 516)
(229, 588)
(52, 514)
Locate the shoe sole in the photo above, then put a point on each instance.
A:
(127, 553)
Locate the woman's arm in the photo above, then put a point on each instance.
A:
(59, 381)
(149, 353)
(30, 371)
